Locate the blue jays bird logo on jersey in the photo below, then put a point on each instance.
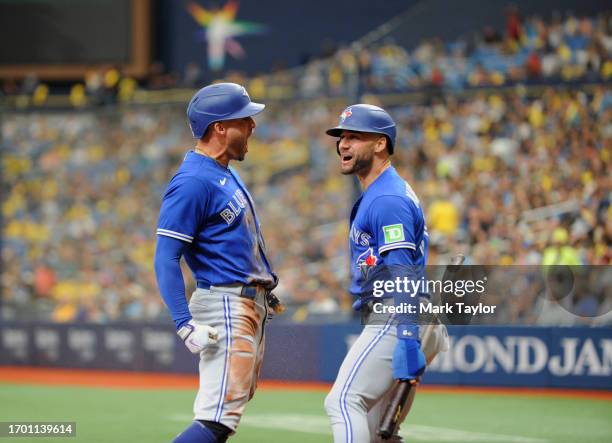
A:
(366, 262)
(345, 114)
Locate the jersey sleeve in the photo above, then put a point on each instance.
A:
(183, 209)
(394, 223)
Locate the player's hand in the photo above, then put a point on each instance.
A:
(408, 358)
(197, 336)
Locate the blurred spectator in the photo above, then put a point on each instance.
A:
(443, 217)
(29, 84)
(193, 76)
(513, 23)
(159, 78)
(559, 252)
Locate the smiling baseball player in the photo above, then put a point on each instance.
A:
(387, 228)
(208, 217)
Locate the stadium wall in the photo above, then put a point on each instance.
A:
(571, 357)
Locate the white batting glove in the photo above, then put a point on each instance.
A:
(197, 337)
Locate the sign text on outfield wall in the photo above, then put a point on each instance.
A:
(578, 357)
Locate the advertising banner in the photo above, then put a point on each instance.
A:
(569, 357)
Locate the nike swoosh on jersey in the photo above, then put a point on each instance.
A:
(222, 181)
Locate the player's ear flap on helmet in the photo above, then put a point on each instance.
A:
(389, 145)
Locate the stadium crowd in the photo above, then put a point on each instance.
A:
(530, 50)
(507, 179)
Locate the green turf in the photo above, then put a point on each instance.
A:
(114, 415)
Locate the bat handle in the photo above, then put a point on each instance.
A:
(457, 260)
(393, 413)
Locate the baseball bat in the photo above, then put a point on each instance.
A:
(399, 406)
(404, 391)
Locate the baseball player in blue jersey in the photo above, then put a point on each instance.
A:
(207, 216)
(387, 229)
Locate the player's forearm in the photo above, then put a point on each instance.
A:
(400, 269)
(170, 278)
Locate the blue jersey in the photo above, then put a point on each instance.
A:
(387, 216)
(208, 206)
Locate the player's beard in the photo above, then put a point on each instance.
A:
(238, 148)
(360, 163)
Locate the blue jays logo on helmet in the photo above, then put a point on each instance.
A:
(345, 114)
(366, 118)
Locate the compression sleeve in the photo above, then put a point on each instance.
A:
(168, 253)
(398, 263)
(401, 256)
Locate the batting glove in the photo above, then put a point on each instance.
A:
(408, 358)
(197, 337)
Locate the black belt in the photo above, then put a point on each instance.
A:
(247, 291)
(202, 285)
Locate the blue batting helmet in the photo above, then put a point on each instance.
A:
(221, 101)
(366, 118)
